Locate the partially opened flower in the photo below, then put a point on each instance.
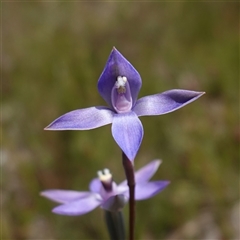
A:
(104, 192)
(119, 85)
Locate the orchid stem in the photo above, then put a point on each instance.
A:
(129, 172)
(115, 225)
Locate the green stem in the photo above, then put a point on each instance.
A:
(115, 225)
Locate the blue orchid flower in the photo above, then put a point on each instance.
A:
(119, 85)
(105, 193)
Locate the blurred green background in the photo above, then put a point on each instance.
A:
(52, 56)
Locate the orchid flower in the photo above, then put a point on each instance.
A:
(119, 85)
(104, 192)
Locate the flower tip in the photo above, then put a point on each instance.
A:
(58, 210)
(55, 211)
(166, 183)
(44, 194)
(155, 163)
(47, 128)
(158, 162)
(115, 51)
(202, 93)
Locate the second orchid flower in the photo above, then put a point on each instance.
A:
(104, 192)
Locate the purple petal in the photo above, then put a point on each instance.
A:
(64, 196)
(115, 203)
(78, 207)
(165, 102)
(122, 188)
(144, 173)
(95, 185)
(150, 189)
(118, 65)
(83, 119)
(127, 131)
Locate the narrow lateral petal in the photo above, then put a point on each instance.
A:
(127, 131)
(83, 119)
(165, 102)
(144, 173)
(64, 196)
(118, 65)
(95, 185)
(150, 189)
(78, 207)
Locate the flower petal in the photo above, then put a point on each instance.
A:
(82, 119)
(122, 188)
(165, 102)
(95, 185)
(127, 131)
(118, 65)
(150, 189)
(78, 207)
(64, 196)
(144, 173)
(115, 203)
